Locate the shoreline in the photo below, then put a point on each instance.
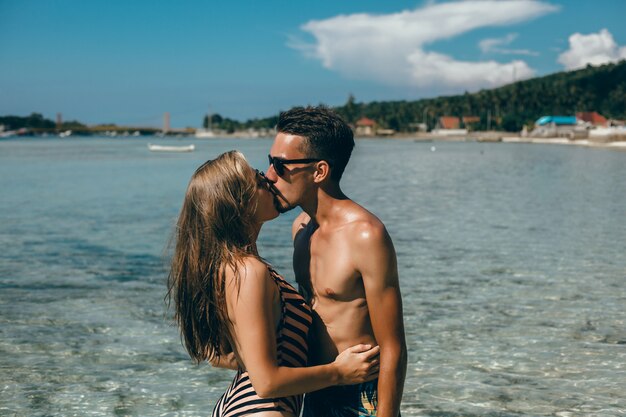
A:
(505, 137)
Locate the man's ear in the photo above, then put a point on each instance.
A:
(322, 172)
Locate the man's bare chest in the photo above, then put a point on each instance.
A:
(324, 268)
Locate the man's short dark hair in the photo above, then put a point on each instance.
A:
(327, 135)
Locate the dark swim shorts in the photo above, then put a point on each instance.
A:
(343, 401)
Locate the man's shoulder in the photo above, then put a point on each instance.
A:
(365, 234)
(362, 225)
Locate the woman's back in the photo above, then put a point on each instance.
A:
(292, 319)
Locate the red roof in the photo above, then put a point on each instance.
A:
(364, 121)
(449, 122)
(592, 117)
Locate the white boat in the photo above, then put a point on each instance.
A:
(205, 133)
(165, 148)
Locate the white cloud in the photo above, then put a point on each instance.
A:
(595, 49)
(431, 67)
(391, 48)
(488, 45)
(494, 45)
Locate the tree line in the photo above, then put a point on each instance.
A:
(37, 121)
(601, 89)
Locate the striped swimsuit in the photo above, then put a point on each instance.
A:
(291, 341)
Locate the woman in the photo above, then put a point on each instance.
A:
(228, 299)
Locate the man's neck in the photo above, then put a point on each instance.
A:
(327, 206)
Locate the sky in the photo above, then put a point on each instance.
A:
(128, 62)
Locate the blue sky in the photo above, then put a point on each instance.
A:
(128, 62)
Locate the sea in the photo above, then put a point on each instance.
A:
(512, 262)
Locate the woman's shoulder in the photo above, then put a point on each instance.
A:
(249, 272)
(253, 266)
(250, 286)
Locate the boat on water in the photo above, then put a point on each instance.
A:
(165, 148)
(205, 133)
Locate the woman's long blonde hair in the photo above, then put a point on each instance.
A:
(214, 232)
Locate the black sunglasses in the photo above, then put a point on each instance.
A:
(262, 180)
(279, 163)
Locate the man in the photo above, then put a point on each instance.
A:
(344, 262)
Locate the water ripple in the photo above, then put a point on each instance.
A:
(511, 261)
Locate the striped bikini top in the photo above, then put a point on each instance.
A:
(292, 351)
(292, 333)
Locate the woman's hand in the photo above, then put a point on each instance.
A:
(357, 364)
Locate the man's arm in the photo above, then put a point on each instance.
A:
(375, 260)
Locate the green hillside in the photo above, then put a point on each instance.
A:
(601, 89)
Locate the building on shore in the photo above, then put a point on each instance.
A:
(592, 118)
(559, 127)
(585, 125)
(449, 126)
(602, 129)
(365, 127)
(449, 122)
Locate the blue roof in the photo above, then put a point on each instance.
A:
(557, 120)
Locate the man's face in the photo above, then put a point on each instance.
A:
(294, 181)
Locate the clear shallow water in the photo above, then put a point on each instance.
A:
(511, 256)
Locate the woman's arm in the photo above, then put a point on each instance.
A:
(254, 316)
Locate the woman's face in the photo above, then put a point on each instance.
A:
(265, 206)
